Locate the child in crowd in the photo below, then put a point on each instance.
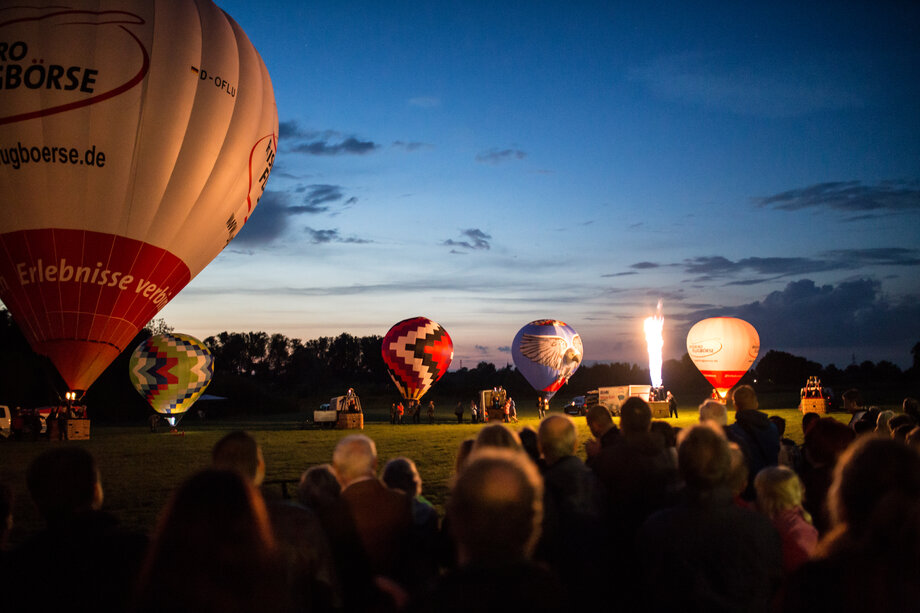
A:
(779, 497)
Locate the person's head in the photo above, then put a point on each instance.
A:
(635, 416)
(401, 474)
(528, 437)
(900, 433)
(713, 411)
(872, 476)
(738, 474)
(213, 547)
(778, 489)
(852, 400)
(354, 457)
(913, 437)
(463, 453)
(779, 423)
(63, 481)
(911, 406)
(239, 451)
(703, 457)
(318, 487)
(881, 422)
(665, 433)
(556, 438)
(599, 420)
(745, 398)
(899, 420)
(496, 506)
(809, 420)
(826, 440)
(497, 435)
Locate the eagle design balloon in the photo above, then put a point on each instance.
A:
(417, 352)
(547, 352)
(171, 371)
(136, 138)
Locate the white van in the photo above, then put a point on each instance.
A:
(5, 421)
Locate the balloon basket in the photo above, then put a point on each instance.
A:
(77, 430)
(350, 421)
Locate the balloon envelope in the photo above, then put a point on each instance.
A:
(171, 371)
(417, 352)
(547, 352)
(723, 349)
(136, 137)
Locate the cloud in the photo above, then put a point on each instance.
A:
(620, 274)
(481, 348)
(271, 217)
(847, 315)
(497, 156)
(744, 88)
(321, 142)
(267, 222)
(475, 239)
(318, 237)
(505, 349)
(411, 146)
(714, 267)
(644, 265)
(850, 197)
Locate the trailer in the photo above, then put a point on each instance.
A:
(342, 412)
(613, 398)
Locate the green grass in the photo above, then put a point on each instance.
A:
(140, 469)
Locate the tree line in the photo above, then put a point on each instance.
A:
(259, 372)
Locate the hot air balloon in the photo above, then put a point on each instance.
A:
(171, 371)
(547, 352)
(136, 137)
(417, 352)
(723, 349)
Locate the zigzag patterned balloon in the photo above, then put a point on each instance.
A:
(171, 371)
(417, 352)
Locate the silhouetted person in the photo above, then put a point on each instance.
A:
(714, 411)
(574, 522)
(825, 441)
(495, 510)
(303, 549)
(602, 428)
(639, 476)
(754, 433)
(213, 551)
(382, 516)
(707, 554)
(82, 560)
(870, 560)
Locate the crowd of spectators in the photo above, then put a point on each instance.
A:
(717, 517)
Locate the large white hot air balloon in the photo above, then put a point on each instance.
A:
(723, 349)
(136, 137)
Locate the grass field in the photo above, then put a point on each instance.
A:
(140, 469)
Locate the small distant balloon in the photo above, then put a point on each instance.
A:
(723, 349)
(171, 371)
(547, 352)
(417, 352)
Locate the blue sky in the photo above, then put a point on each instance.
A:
(488, 164)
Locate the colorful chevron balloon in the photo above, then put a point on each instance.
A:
(417, 352)
(171, 371)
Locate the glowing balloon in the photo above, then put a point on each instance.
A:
(171, 371)
(136, 137)
(547, 352)
(723, 349)
(417, 353)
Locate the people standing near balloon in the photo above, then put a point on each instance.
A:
(458, 411)
(474, 412)
(431, 411)
(400, 411)
(672, 405)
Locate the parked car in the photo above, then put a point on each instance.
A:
(576, 407)
(6, 421)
